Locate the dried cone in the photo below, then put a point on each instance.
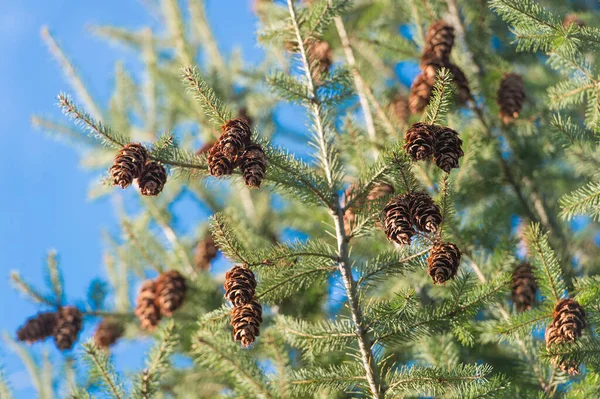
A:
(153, 179)
(240, 285)
(425, 214)
(254, 165)
(246, 321)
(420, 90)
(524, 287)
(397, 221)
(447, 149)
(128, 165)
(440, 39)
(236, 136)
(146, 309)
(108, 332)
(170, 292)
(68, 324)
(567, 326)
(511, 96)
(398, 108)
(37, 328)
(419, 141)
(206, 251)
(443, 261)
(573, 19)
(320, 55)
(461, 82)
(218, 163)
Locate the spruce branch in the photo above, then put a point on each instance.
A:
(441, 96)
(55, 278)
(30, 291)
(206, 96)
(334, 378)
(102, 370)
(583, 201)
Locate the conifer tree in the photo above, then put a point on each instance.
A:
(372, 253)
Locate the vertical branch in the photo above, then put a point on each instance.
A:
(198, 13)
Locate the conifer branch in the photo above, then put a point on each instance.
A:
(102, 370)
(437, 109)
(204, 94)
(29, 290)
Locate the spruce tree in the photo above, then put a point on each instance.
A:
(413, 238)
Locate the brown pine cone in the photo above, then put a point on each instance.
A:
(443, 262)
(246, 321)
(108, 332)
(236, 136)
(569, 322)
(447, 149)
(37, 328)
(572, 19)
(218, 163)
(153, 179)
(240, 285)
(440, 39)
(397, 220)
(419, 141)
(420, 90)
(206, 251)
(524, 287)
(254, 165)
(398, 108)
(128, 165)
(425, 214)
(68, 325)
(320, 56)
(462, 83)
(170, 292)
(146, 309)
(511, 96)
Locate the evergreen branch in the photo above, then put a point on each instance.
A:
(176, 28)
(5, 390)
(28, 289)
(392, 263)
(275, 254)
(202, 92)
(441, 96)
(321, 14)
(226, 239)
(339, 378)
(101, 369)
(547, 270)
(55, 277)
(41, 387)
(316, 338)
(524, 323)
(288, 88)
(584, 350)
(204, 31)
(147, 383)
(583, 201)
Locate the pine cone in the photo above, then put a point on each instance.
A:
(524, 287)
(567, 326)
(320, 56)
(461, 82)
(37, 328)
(511, 96)
(443, 262)
(254, 165)
(108, 332)
(152, 179)
(206, 251)
(68, 325)
(128, 165)
(572, 19)
(236, 136)
(397, 221)
(440, 39)
(218, 163)
(170, 292)
(419, 141)
(398, 108)
(240, 285)
(420, 90)
(146, 309)
(246, 321)
(425, 214)
(447, 149)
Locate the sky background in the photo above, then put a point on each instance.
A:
(44, 203)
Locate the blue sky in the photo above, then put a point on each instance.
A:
(43, 203)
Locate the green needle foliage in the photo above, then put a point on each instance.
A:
(345, 312)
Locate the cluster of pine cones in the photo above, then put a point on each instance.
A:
(160, 297)
(567, 326)
(246, 315)
(236, 149)
(406, 214)
(422, 141)
(64, 325)
(131, 162)
(436, 55)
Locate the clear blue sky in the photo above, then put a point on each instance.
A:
(43, 200)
